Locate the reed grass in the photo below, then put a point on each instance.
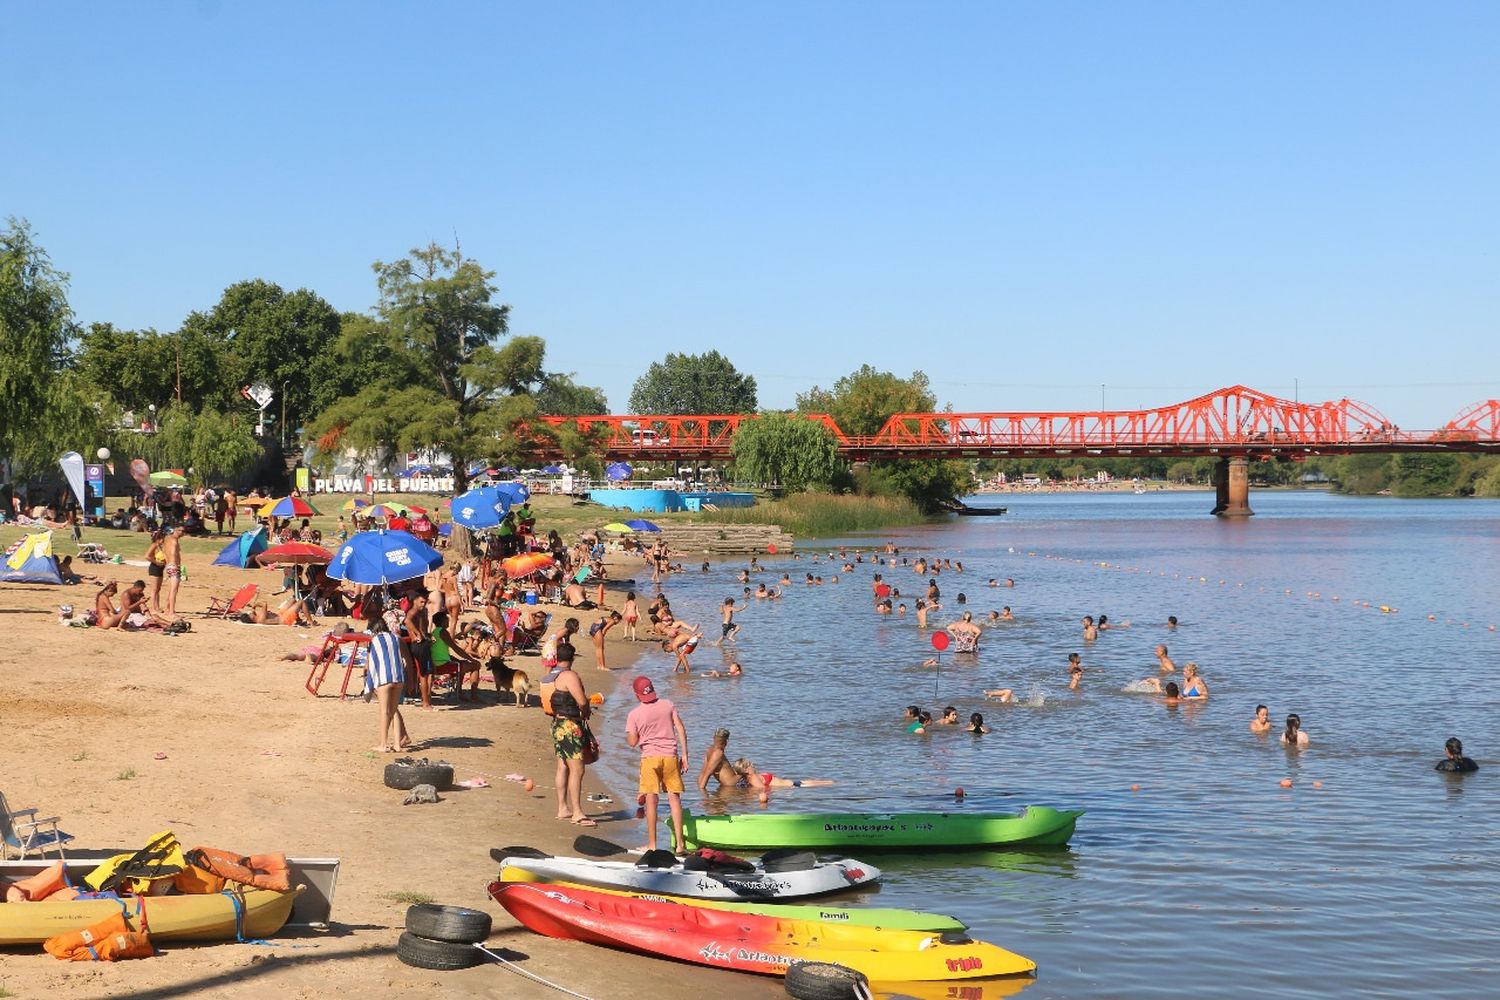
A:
(820, 515)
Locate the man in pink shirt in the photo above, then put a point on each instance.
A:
(657, 729)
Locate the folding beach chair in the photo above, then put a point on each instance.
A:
(20, 830)
(220, 607)
(334, 646)
(93, 552)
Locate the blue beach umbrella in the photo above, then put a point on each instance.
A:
(640, 525)
(445, 529)
(552, 470)
(375, 558)
(480, 508)
(517, 492)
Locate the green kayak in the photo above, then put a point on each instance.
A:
(1036, 826)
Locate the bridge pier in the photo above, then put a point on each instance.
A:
(1232, 487)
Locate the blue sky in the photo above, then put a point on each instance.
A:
(1027, 201)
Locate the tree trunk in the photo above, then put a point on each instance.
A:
(461, 543)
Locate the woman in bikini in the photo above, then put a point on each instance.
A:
(1193, 685)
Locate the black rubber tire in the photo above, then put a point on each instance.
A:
(408, 776)
(448, 923)
(824, 981)
(424, 953)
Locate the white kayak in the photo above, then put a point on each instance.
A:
(780, 875)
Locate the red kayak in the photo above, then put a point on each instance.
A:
(748, 942)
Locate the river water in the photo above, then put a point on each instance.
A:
(1211, 879)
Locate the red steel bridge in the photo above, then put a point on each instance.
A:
(1233, 421)
(1236, 424)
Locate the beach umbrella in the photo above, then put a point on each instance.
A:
(639, 525)
(387, 509)
(618, 528)
(617, 471)
(352, 506)
(551, 470)
(417, 510)
(375, 558)
(295, 553)
(480, 508)
(517, 492)
(288, 507)
(445, 530)
(526, 564)
(168, 479)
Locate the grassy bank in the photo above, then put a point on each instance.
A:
(814, 515)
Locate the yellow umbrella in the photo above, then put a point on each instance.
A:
(618, 528)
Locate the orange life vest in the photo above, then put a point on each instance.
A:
(44, 883)
(263, 871)
(107, 941)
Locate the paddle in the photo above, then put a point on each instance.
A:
(502, 854)
(596, 847)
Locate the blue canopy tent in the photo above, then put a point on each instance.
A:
(30, 561)
(241, 552)
(616, 471)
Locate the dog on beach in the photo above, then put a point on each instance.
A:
(510, 679)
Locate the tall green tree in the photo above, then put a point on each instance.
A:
(693, 383)
(562, 397)
(439, 375)
(786, 449)
(35, 327)
(861, 403)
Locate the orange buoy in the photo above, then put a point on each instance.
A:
(1317, 784)
(1135, 788)
(1286, 782)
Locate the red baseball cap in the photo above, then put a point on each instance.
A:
(643, 690)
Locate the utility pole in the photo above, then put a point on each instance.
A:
(1101, 398)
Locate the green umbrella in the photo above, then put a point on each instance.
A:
(168, 479)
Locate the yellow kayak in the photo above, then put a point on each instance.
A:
(207, 917)
(749, 942)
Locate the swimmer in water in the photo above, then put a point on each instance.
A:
(1171, 621)
(1193, 685)
(919, 726)
(950, 717)
(1090, 630)
(1075, 672)
(1005, 614)
(976, 725)
(1105, 624)
(1455, 762)
(1164, 662)
(735, 670)
(749, 777)
(1262, 721)
(1003, 695)
(1169, 690)
(1293, 736)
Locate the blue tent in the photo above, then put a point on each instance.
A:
(617, 471)
(242, 550)
(30, 561)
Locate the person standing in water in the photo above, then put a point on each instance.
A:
(1163, 661)
(1455, 762)
(1262, 721)
(1293, 736)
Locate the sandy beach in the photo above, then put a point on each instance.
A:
(254, 763)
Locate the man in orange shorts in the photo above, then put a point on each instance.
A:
(657, 729)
